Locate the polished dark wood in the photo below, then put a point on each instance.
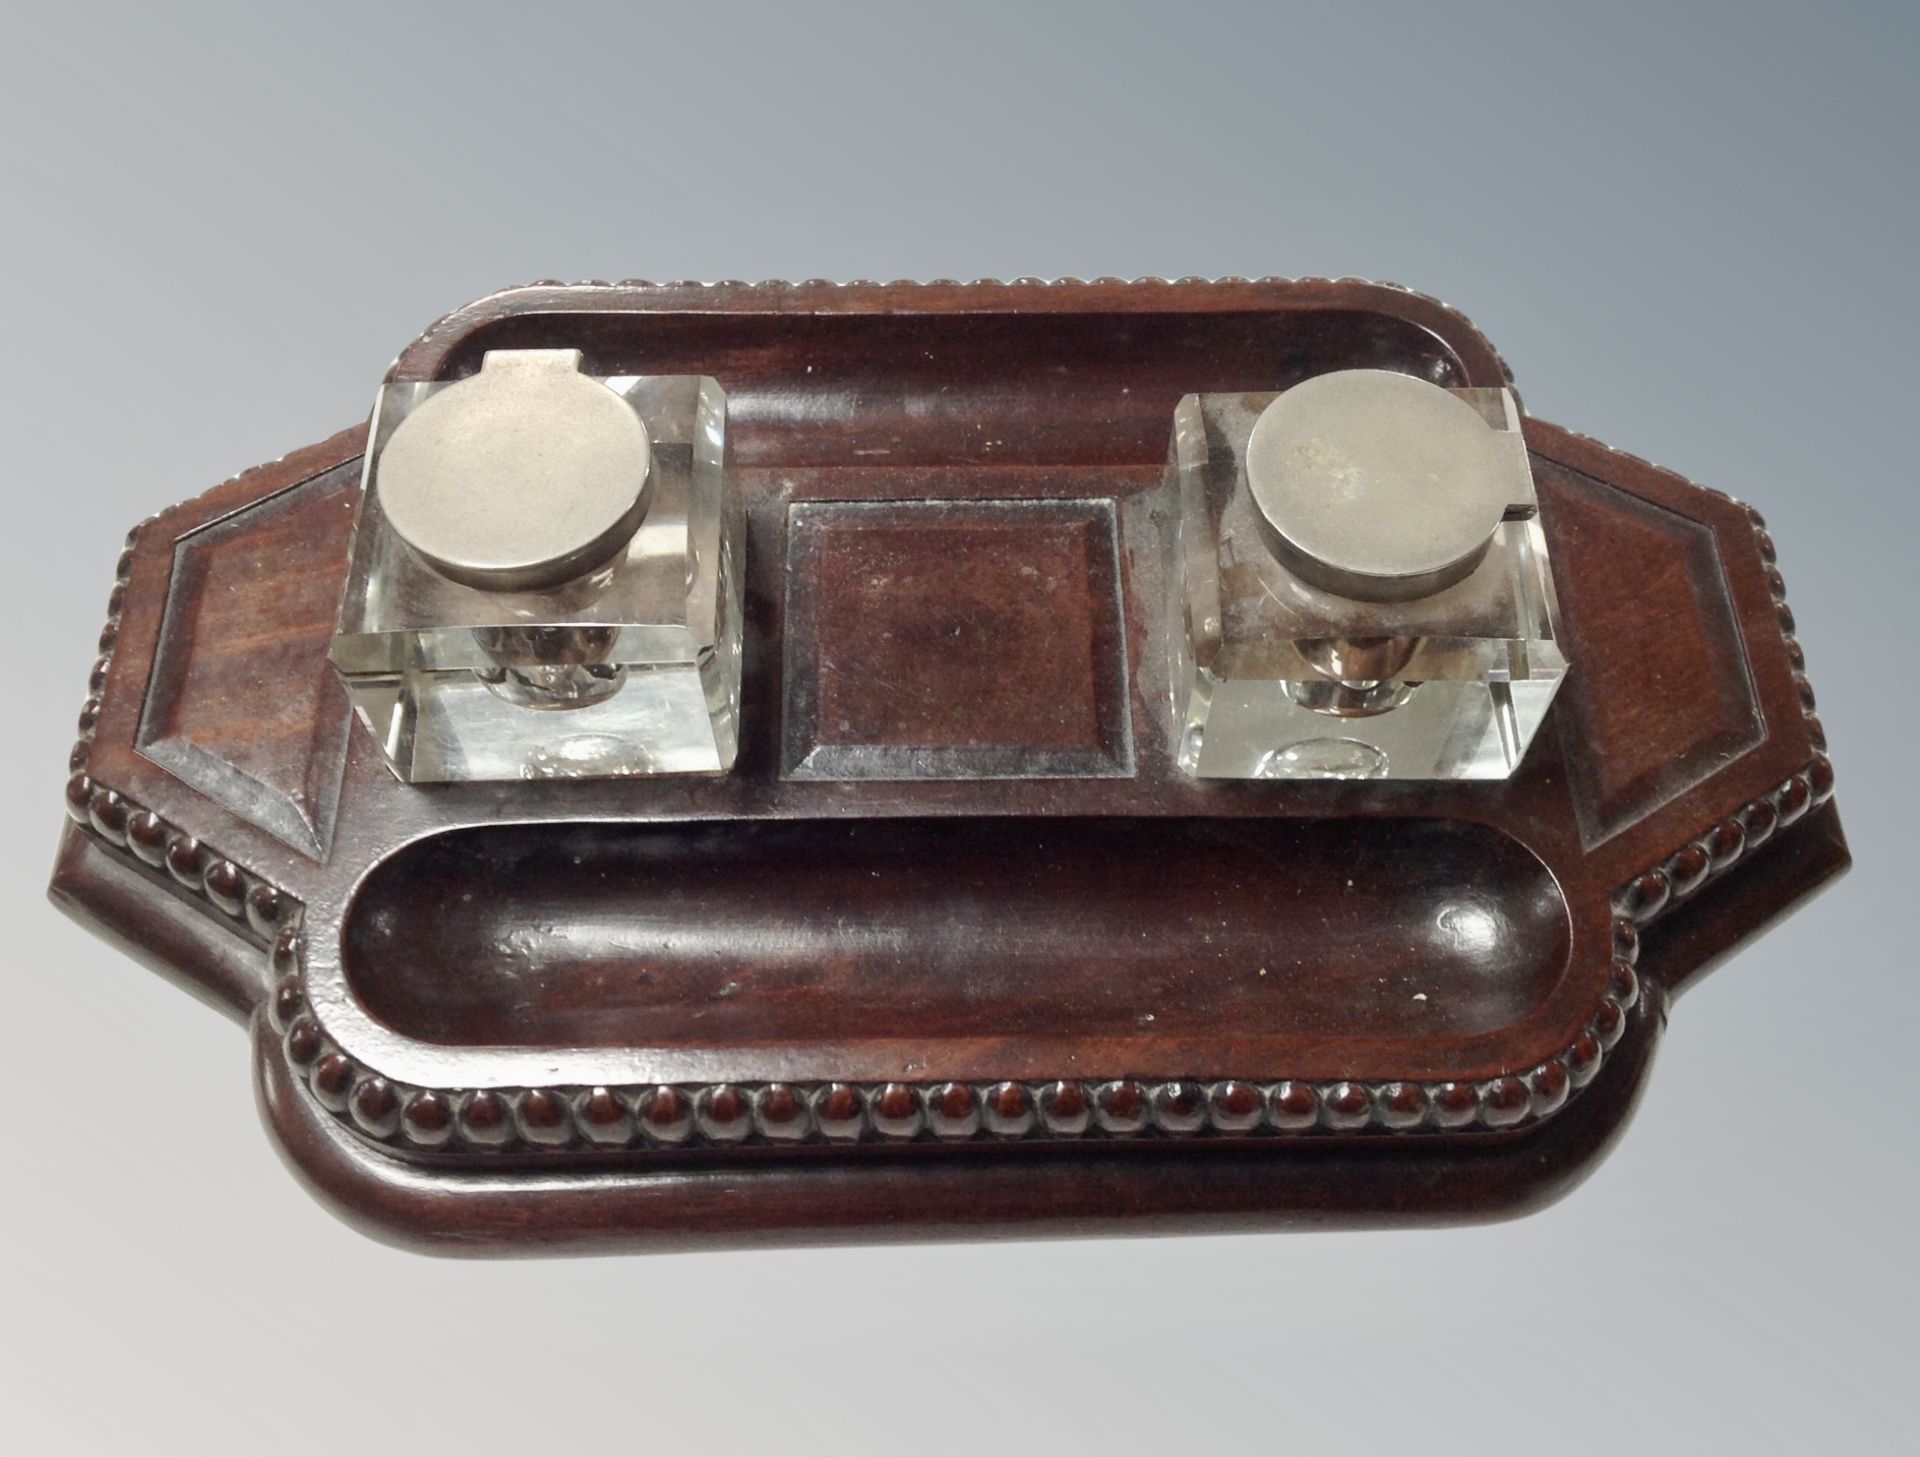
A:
(956, 949)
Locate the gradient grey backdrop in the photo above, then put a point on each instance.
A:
(1690, 230)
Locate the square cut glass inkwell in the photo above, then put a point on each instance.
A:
(1360, 586)
(544, 580)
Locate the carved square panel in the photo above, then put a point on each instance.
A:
(1016, 601)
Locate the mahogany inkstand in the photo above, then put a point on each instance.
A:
(719, 764)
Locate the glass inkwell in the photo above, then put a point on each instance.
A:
(544, 579)
(1360, 586)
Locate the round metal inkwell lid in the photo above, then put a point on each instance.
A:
(1376, 485)
(520, 477)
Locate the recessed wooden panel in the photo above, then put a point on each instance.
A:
(1660, 708)
(1016, 601)
(243, 704)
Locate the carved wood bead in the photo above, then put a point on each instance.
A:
(1345, 1107)
(1178, 1107)
(1120, 1106)
(953, 1111)
(1504, 1102)
(1007, 1111)
(1687, 870)
(1795, 799)
(604, 1118)
(184, 860)
(79, 797)
(485, 1120)
(304, 1041)
(896, 1112)
(107, 814)
(542, 1117)
(1820, 779)
(265, 907)
(1457, 1105)
(1726, 844)
(1235, 1107)
(375, 1107)
(724, 1114)
(1550, 1084)
(284, 957)
(1293, 1107)
(1624, 985)
(332, 1081)
(780, 1113)
(666, 1115)
(1626, 938)
(1609, 1023)
(147, 836)
(287, 1002)
(839, 1112)
(1401, 1106)
(1583, 1058)
(428, 1119)
(225, 886)
(1648, 895)
(1065, 1109)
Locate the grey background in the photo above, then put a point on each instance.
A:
(1689, 228)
